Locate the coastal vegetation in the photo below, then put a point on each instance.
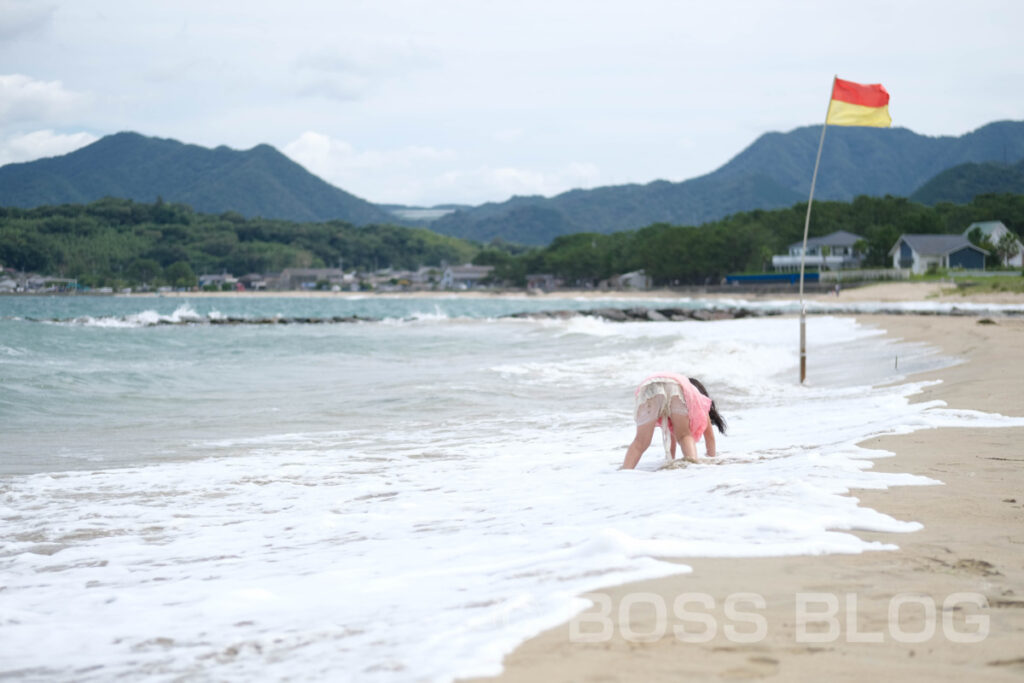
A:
(967, 284)
(745, 242)
(991, 285)
(118, 242)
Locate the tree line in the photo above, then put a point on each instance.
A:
(114, 242)
(745, 242)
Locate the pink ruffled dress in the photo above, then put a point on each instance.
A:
(663, 394)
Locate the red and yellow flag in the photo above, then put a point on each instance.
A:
(854, 104)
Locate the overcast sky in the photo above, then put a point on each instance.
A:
(435, 101)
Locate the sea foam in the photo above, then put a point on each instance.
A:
(429, 495)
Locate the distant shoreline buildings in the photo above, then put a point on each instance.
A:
(833, 257)
(427, 278)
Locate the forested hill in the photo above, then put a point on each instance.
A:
(116, 242)
(963, 183)
(257, 182)
(773, 172)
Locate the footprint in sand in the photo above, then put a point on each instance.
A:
(1012, 664)
(979, 567)
(758, 666)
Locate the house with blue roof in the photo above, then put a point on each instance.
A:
(920, 253)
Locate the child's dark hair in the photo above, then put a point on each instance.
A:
(716, 418)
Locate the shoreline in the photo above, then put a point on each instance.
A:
(968, 551)
(884, 292)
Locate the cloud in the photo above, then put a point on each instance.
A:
(40, 144)
(353, 73)
(23, 98)
(339, 162)
(23, 17)
(486, 183)
(417, 175)
(316, 150)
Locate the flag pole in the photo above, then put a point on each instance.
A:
(803, 252)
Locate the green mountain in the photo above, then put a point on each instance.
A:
(963, 183)
(257, 182)
(773, 172)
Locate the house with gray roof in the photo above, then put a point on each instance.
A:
(466, 276)
(994, 231)
(919, 253)
(833, 251)
(217, 280)
(637, 279)
(307, 278)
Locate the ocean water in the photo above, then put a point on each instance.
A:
(402, 500)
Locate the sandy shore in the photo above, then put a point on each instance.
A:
(970, 549)
(944, 292)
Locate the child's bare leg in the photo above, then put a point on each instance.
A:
(641, 441)
(689, 448)
(681, 424)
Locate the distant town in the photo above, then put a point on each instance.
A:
(427, 278)
(289, 279)
(833, 258)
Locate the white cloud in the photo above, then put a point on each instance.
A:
(417, 175)
(40, 144)
(364, 172)
(23, 98)
(487, 183)
(323, 154)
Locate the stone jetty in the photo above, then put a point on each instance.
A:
(644, 314)
(619, 315)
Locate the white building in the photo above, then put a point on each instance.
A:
(833, 251)
(994, 231)
(638, 279)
